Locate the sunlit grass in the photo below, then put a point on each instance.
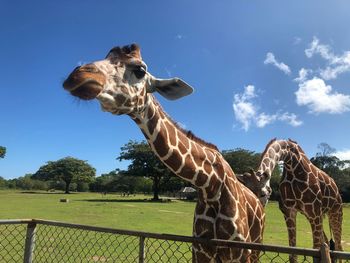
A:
(133, 213)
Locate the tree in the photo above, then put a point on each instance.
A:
(2, 151)
(67, 169)
(327, 162)
(325, 149)
(101, 183)
(145, 163)
(3, 183)
(338, 169)
(241, 160)
(118, 181)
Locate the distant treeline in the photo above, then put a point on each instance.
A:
(146, 174)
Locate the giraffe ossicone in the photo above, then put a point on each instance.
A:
(225, 209)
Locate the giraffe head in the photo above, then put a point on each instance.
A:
(258, 183)
(121, 82)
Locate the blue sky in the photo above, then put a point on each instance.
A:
(260, 69)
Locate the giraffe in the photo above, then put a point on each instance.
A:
(303, 188)
(225, 209)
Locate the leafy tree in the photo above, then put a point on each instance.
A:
(325, 149)
(3, 183)
(338, 169)
(328, 162)
(68, 169)
(118, 181)
(101, 183)
(28, 183)
(145, 163)
(2, 151)
(241, 160)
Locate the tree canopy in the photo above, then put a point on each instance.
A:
(2, 151)
(67, 169)
(117, 181)
(241, 160)
(338, 169)
(145, 163)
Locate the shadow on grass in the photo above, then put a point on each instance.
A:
(46, 193)
(127, 200)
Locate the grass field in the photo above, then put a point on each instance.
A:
(133, 213)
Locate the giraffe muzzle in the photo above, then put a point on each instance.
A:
(85, 82)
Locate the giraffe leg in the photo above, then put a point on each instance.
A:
(335, 223)
(228, 255)
(318, 236)
(202, 253)
(317, 231)
(254, 256)
(290, 218)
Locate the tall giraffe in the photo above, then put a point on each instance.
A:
(303, 188)
(225, 209)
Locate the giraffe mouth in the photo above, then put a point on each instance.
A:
(87, 90)
(85, 82)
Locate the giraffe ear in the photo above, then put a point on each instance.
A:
(243, 178)
(171, 89)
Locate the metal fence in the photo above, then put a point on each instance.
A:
(42, 241)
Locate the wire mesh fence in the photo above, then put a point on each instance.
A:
(40, 241)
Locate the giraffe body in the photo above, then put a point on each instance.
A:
(303, 188)
(226, 209)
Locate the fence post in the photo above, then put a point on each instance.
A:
(142, 250)
(29, 243)
(325, 256)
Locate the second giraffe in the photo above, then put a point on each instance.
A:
(303, 188)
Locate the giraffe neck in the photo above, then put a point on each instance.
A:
(188, 157)
(278, 150)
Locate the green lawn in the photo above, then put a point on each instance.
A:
(133, 213)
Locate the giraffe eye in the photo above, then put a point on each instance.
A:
(139, 72)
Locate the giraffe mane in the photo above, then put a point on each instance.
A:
(289, 139)
(189, 134)
(297, 145)
(266, 148)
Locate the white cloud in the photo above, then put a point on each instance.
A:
(247, 112)
(244, 110)
(317, 48)
(343, 155)
(264, 119)
(270, 59)
(320, 98)
(290, 118)
(303, 73)
(336, 64)
(333, 72)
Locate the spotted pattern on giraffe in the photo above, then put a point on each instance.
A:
(303, 188)
(225, 209)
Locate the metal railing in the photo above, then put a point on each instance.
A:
(42, 241)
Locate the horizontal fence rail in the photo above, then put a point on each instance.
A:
(43, 241)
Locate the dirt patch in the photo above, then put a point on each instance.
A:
(174, 212)
(99, 259)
